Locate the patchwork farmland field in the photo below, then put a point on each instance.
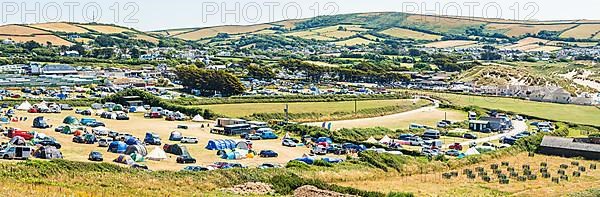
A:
(515, 30)
(353, 41)
(409, 34)
(42, 39)
(105, 29)
(213, 31)
(582, 31)
(450, 43)
(60, 27)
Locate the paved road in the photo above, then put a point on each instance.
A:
(383, 121)
(519, 126)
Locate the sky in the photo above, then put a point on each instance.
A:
(150, 15)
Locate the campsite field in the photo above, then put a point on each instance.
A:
(240, 110)
(138, 126)
(553, 111)
(433, 184)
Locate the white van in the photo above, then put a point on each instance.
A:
(416, 126)
(16, 152)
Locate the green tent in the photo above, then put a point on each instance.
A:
(137, 157)
(117, 107)
(71, 120)
(67, 130)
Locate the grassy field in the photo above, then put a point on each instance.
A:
(561, 112)
(240, 110)
(434, 185)
(229, 29)
(522, 29)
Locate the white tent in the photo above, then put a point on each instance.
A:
(371, 140)
(198, 118)
(140, 109)
(100, 129)
(287, 136)
(472, 151)
(24, 106)
(385, 140)
(157, 154)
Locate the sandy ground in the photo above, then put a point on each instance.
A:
(138, 126)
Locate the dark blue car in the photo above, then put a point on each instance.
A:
(268, 153)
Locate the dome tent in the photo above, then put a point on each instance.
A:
(221, 144)
(48, 152)
(124, 159)
(371, 140)
(71, 120)
(24, 106)
(175, 136)
(137, 149)
(117, 147)
(157, 154)
(198, 118)
(18, 141)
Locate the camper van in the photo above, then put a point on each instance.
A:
(433, 134)
(16, 152)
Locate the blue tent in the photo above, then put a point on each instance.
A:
(332, 160)
(132, 141)
(61, 96)
(220, 144)
(117, 147)
(132, 109)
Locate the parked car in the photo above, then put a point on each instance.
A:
(78, 139)
(433, 134)
(453, 152)
(122, 116)
(415, 141)
(486, 130)
(268, 165)
(104, 142)
(65, 107)
(430, 152)
(268, 153)
(49, 143)
(456, 146)
(113, 134)
(195, 169)
(95, 156)
(288, 143)
(189, 140)
(268, 135)
(253, 137)
(186, 159)
(405, 136)
(59, 128)
(469, 136)
(96, 124)
(24, 134)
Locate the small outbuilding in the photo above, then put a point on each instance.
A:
(569, 147)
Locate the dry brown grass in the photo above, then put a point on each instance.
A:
(41, 39)
(229, 29)
(583, 31)
(289, 24)
(409, 34)
(354, 41)
(450, 43)
(60, 27)
(434, 185)
(18, 30)
(515, 30)
(105, 29)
